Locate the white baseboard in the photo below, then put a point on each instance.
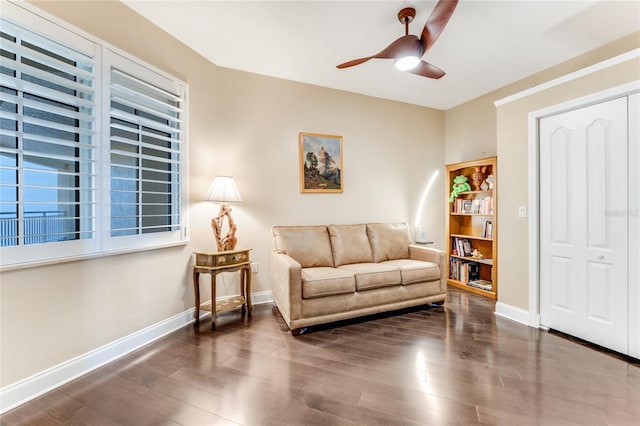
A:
(261, 297)
(513, 313)
(27, 389)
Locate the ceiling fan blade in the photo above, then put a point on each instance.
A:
(436, 23)
(353, 62)
(425, 69)
(404, 44)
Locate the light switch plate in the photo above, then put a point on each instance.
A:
(522, 211)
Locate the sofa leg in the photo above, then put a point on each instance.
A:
(298, 331)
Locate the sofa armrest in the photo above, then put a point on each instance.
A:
(286, 284)
(429, 254)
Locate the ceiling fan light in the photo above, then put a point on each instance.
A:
(407, 63)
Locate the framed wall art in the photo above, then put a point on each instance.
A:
(320, 163)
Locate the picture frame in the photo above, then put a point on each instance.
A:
(320, 163)
(467, 207)
(466, 247)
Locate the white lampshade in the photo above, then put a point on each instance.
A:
(224, 190)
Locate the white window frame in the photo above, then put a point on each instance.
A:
(21, 256)
(123, 63)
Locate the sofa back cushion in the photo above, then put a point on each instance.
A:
(389, 241)
(350, 244)
(307, 245)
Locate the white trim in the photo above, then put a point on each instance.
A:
(88, 256)
(261, 297)
(533, 232)
(59, 22)
(256, 298)
(533, 179)
(512, 312)
(624, 57)
(27, 389)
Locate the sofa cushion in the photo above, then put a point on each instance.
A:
(307, 245)
(415, 271)
(326, 281)
(373, 275)
(389, 241)
(350, 244)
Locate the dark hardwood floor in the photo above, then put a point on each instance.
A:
(457, 364)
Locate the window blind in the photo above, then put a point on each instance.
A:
(145, 156)
(47, 139)
(91, 145)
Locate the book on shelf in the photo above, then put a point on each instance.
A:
(462, 246)
(463, 270)
(487, 229)
(457, 205)
(474, 271)
(475, 206)
(481, 284)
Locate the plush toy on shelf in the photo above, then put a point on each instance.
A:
(488, 183)
(460, 185)
(476, 254)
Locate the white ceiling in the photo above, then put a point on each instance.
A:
(485, 46)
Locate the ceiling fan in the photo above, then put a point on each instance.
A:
(409, 49)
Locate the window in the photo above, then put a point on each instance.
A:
(47, 140)
(145, 152)
(90, 146)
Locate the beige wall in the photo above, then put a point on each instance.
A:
(240, 124)
(468, 137)
(471, 128)
(512, 140)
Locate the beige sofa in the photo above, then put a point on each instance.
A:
(322, 274)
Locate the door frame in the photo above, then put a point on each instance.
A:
(534, 181)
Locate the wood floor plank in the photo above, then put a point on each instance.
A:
(456, 364)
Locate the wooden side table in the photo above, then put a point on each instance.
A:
(213, 264)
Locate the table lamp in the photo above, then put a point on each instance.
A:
(223, 190)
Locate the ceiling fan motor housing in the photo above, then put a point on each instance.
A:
(406, 15)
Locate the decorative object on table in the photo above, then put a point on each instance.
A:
(477, 177)
(488, 183)
(224, 190)
(459, 186)
(320, 163)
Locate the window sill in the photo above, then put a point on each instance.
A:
(61, 260)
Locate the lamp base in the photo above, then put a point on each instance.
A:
(228, 241)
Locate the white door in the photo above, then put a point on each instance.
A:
(634, 225)
(584, 223)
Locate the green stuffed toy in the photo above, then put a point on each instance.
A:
(460, 185)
